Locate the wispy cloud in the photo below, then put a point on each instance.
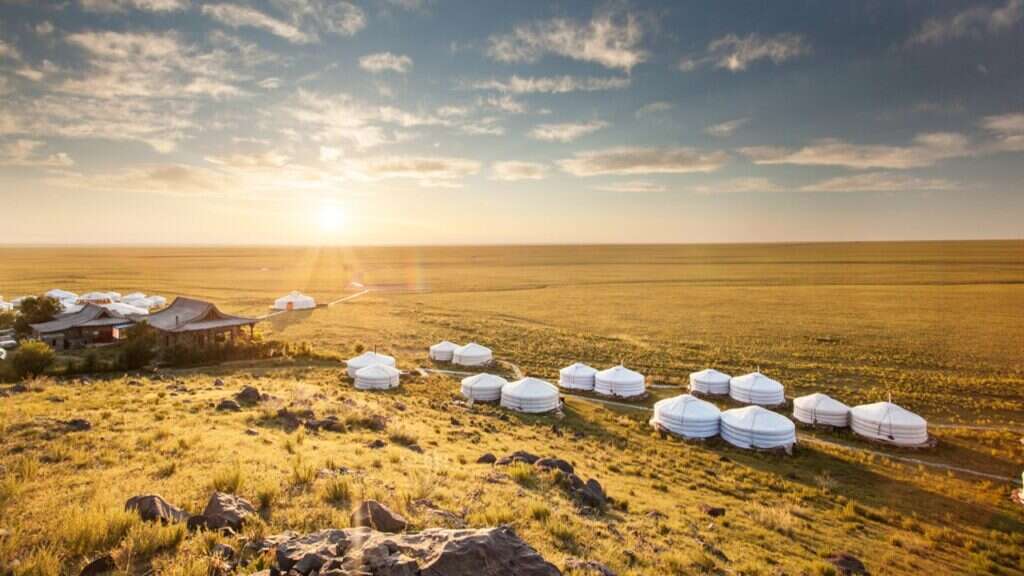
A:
(504, 102)
(926, 150)
(636, 160)
(735, 53)
(237, 16)
(611, 38)
(486, 126)
(974, 22)
(724, 129)
(125, 5)
(1008, 130)
(653, 108)
(879, 182)
(427, 170)
(513, 171)
(566, 131)
(385, 61)
(633, 186)
(549, 84)
(26, 153)
(736, 186)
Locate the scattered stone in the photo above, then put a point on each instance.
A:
(455, 421)
(249, 395)
(332, 424)
(376, 444)
(487, 458)
(153, 508)
(77, 425)
(308, 553)
(847, 564)
(134, 383)
(592, 494)
(223, 512)
(554, 464)
(228, 405)
(373, 514)
(588, 567)
(218, 383)
(518, 456)
(713, 511)
(102, 565)
(654, 514)
(223, 551)
(400, 406)
(251, 432)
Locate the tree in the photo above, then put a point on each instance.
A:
(138, 350)
(34, 310)
(32, 359)
(7, 320)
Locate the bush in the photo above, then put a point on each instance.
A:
(34, 311)
(7, 320)
(139, 348)
(32, 359)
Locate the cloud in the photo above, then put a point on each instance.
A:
(735, 54)
(487, 126)
(125, 5)
(653, 108)
(9, 51)
(549, 84)
(427, 170)
(634, 160)
(725, 129)
(44, 28)
(237, 16)
(633, 186)
(736, 186)
(340, 117)
(612, 38)
(504, 102)
(330, 154)
(565, 132)
(1008, 130)
(513, 171)
(23, 152)
(266, 159)
(879, 182)
(385, 61)
(338, 17)
(974, 22)
(926, 150)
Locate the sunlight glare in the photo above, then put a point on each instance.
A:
(330, 219)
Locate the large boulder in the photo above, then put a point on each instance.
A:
(228, 405)
(847, 564)
(554, 464)
(373, 514)
(153, 508)
(249, 395)
(518, 456)
(433, 552)
(223, 512)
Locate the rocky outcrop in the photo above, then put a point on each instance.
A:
(373, 514)
(153, 508)
(433, 552)
(249, 395)
(518, 456)
(228, 405)
(847, 564)
(555, 464)
(223, 512)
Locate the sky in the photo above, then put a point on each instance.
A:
(322, 122)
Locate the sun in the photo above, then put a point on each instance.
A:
(330, 219)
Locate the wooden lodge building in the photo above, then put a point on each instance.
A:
(185, 322)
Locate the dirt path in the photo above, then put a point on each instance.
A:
(347, 298)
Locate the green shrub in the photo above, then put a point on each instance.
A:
(32, 359)
(139, 349)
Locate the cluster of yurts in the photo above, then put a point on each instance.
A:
(685, 415)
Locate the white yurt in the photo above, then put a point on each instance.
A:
(158, 301)
(888, 422)
(126, 309)
(3, 354)
(619, 381)
(687, 416)
(443, 351)
(472, 354)
(133, 296)
(530, 395)
(62, 295)
(710, 381)
(376, 377)
(6, 306)
(368, 359)
(295, 300)
(99, 297)
(579, 376)
(142, 302)
(756, 388)
(756, 427)
(483, 387)
(820, 408)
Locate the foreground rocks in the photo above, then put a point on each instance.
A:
(223, 512)
(433, 552)
(847, 564)
(588, 493)
(153, 508)
(373, 514)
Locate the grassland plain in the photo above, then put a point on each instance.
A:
(937, 325)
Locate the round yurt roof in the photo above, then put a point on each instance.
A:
(59, 294)
(819, 402)
(484, 381)
(133, 296)
(444, 346)
(126, 309)
(97, 296)
(473, 349)
(888, 413)
(686, 406)
(620, 374)
(758, 419)
(377, 371)
(756, 381)
(531, 388)
(710, 375)
(368, 358)
(578, 369)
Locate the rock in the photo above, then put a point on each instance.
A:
(228, 405)
(847, 564)
(376, 444)
(251, 432)
(134, 383)
(592, 494)
(304, 554)
(223, 511)
(588, 567)
(487, 458)
(713, 511)
(218, 383)
(102, 565)
(554, 464)
(455, 421)
(153, 508)
(518, 456)
(248, 395)
(223, 551)
(373, 514)
(77, 425)
(433, 552)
